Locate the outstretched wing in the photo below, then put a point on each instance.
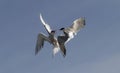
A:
(40, 42)
(77, 25)
(47, 27)
(74, 28)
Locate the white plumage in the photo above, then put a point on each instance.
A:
(70, 32)
(51, 38)
(59, 42)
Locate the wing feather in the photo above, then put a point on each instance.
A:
(47, 26)
(77, 25)
(40, 42)
(63, 49)
(74, 28)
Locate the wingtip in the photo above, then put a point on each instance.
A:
(35, 53)
(41, 19)
(40, 15)
(64, 55)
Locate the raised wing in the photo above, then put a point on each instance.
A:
(74, 28)
(77, 25)
(40, 42)
(47, 27)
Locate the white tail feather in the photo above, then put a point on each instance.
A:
(56, 50)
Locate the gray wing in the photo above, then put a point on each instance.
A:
(40, 42)
(77, 25)
(63, 49)
(47, 26)
(61, 41)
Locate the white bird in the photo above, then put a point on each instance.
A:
(70, 32)
(51, 38)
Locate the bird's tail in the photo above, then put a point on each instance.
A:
(56, 50)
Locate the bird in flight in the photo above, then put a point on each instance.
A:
(70, 32)
(51, 38)
(59, 42)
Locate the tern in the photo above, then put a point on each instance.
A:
(70, 32)
(51, 38)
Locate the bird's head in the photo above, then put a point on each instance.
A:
(62, 28)
(53, 31)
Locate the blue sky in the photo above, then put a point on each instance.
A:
(96, 48)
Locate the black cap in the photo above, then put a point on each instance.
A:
(62, 28)
(53, 31)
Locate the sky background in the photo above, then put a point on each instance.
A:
(95, 49)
